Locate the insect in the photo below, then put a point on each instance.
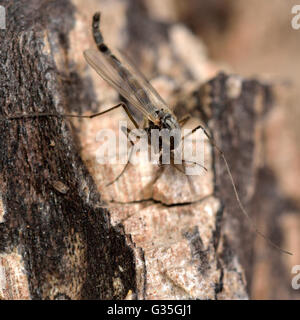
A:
(135, 88)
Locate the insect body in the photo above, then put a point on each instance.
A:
(132, 85)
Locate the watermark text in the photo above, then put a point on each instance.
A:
(295, 22)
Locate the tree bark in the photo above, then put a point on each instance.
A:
(149, 235)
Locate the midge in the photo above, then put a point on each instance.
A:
(134, 87)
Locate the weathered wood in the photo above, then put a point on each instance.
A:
(53, 244)
(238, 105)
(155, 238)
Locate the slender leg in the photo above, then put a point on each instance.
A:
(241, 206)
(129, 158)
(197, 128)
(183, 171)
(58, 115)
(49, 114)
(130, 116)
(194, 162)
(175, 165)
(184, 120)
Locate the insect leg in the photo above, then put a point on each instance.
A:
(252, 224)
(182, 171)
(130, 116)
(129, 158)
(121, 104)
(196, 163)
(197, 128)
(184, 162)
(184, 120)
(62, 115)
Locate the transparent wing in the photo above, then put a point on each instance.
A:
(128, 81)
(143, 80)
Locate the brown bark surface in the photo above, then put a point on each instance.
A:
(150, 235)
(238, 34)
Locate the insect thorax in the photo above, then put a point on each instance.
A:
(167, 129)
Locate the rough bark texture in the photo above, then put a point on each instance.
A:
(238, 33)
(55, 243)
(150, 235)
